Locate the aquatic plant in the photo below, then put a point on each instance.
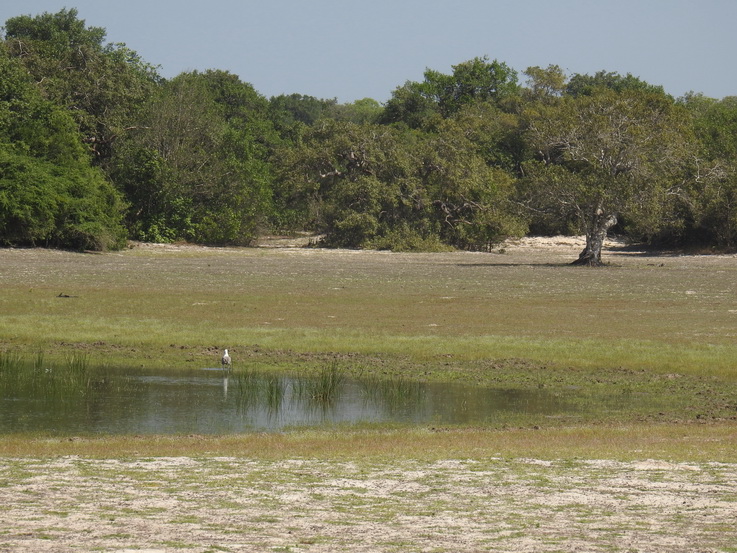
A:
(274, 391)
(12, 374)
(392, 392)
(325, 387)
(68, 381)
(254, 389)
(246, 388)
(10, 364)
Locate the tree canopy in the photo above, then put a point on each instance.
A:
(605, 154)
(477, 80)
(50, 194)
(97, 148)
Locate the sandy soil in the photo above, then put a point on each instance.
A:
(539, 249)
(234, 504)
(566, 244)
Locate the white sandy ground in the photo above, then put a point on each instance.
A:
(545, 243)
(549, 249)
(213, 504)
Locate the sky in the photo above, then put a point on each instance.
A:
(354, 49)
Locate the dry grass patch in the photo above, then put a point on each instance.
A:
(692, 442)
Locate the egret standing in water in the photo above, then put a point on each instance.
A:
(226, 367)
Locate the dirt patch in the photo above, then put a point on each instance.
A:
(236, 504)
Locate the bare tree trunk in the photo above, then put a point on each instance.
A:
(595, 235)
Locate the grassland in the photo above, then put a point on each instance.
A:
(658, 325)
(522, 318)
(661, 325)
(170, 306)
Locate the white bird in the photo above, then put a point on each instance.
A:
(225, 360)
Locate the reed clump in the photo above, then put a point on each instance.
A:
(393, 391)
(325, 387)
(254, 389)
(270, 391)
(68, 380)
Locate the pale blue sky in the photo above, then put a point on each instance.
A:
(348, 49)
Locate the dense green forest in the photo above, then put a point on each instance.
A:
(97, 148)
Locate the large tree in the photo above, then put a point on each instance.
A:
(49, 193)
(586, 85)
(376, 186)
(103, 85)
(349, 181)
(603, 154)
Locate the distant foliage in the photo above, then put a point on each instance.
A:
(97, 148)
(710, 204)
(197, 169)
(422, 104)
(370, 186)
(45, 204)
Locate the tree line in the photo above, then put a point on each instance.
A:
(97, 148)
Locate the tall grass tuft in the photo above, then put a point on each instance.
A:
(11, 372)
(10, 363)
(38, 363)
(274, 392)
(41, 380)
(77, 374)
(392, 392)
(253, 389)
(324, 388)
(246, 388)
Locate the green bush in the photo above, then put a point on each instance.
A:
(44, 204)
(404, 238)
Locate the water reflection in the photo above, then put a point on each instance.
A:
(217, 402)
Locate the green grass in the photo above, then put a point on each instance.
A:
(157, 308)
(664, 326)
(673, 442)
